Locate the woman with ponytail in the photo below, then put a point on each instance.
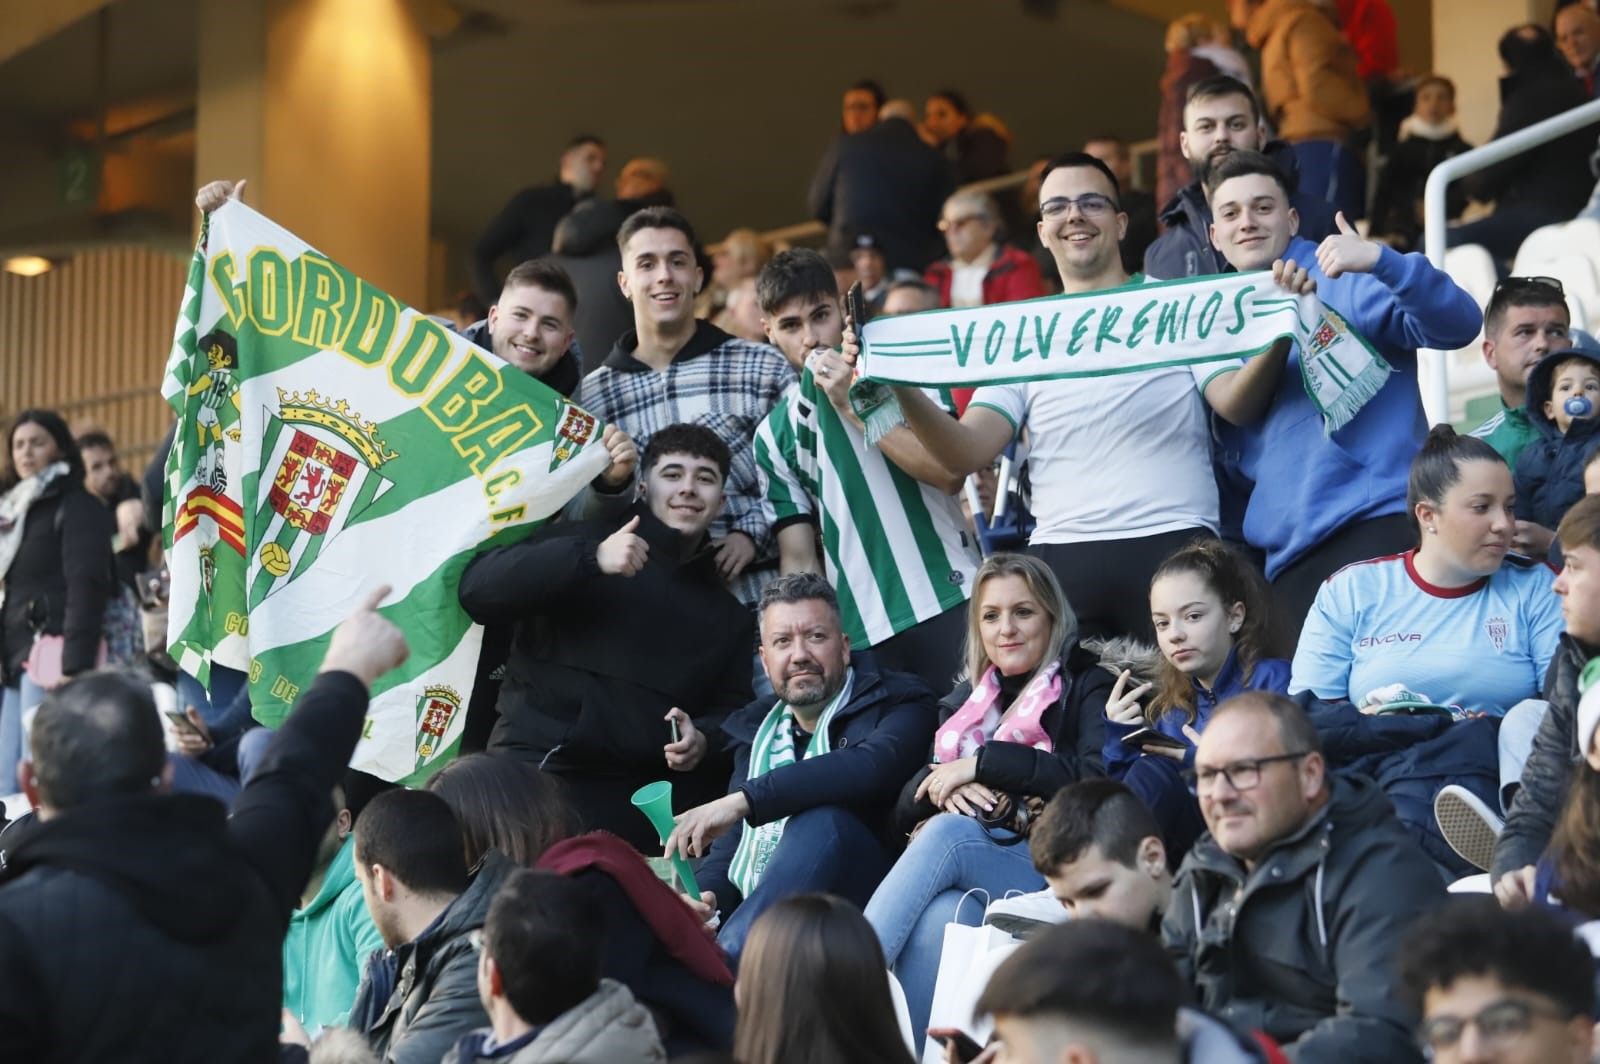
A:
(1458, 620)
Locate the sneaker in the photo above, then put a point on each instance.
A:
(1468, 825)
(1023, 914)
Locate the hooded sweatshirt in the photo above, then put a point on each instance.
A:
(327, 947)
(1310, 484)
(1549, 473)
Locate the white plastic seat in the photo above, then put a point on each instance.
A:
(1545, 242)
(1472, 267)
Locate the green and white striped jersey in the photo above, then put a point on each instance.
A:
(897, 551)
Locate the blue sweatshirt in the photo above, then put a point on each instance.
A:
(1270, 674)
(1308, 485)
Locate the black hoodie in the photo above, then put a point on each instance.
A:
(150, 927)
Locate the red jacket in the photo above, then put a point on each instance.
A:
(1013, 275)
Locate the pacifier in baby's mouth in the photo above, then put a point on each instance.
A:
(1578, 406)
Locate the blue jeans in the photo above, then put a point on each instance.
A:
(218, 705)
(951, 855)
(191, 775)
(825, 849)
(15, 702)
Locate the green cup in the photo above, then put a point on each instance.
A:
(654, 800)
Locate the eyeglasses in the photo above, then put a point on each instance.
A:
(1526, 284)
(1090, 204)
(947, 224)
(1241, 775)
(1500, 1022)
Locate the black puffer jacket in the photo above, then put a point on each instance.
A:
(60, 578)
(1537, 805)
(1077, 729)
(151, 928)
(417, 1001)
(1302, 947)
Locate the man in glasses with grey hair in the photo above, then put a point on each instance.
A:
(1285, 916)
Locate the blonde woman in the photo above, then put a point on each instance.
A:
(1026, 720)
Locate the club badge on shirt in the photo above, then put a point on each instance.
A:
(1497, 629)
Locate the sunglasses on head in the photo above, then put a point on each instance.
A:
(1530, 284)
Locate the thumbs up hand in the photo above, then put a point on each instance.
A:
(1347, 251)
(623, 553)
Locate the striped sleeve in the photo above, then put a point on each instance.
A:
(784, 496)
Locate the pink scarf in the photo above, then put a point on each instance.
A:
(979, 719)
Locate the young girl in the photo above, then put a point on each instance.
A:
(1209, 609)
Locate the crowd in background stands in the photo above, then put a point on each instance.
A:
(1175, 763)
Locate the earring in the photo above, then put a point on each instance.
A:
(1234, 627)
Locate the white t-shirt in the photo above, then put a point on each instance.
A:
(1115, 457)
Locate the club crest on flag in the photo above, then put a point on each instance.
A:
(435, 710)
(1497, 629)
(575, 429)
(324, 460)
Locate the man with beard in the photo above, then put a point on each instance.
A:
(1221, 117)
(815, 773)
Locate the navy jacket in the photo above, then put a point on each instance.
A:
(1185, 249)
(1412, 759)
(880, 737)
(1269, 674)
(887, 182)
(1549, 474)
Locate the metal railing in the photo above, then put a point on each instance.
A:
(1436, 400)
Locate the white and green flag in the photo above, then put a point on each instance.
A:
(330, 440)
(1130, 329)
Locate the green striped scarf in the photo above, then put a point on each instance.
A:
(773, 749)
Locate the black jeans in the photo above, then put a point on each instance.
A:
(1107, 581)
(1296, 587)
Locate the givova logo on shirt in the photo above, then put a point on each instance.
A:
(1389, 640)
(1497, 629)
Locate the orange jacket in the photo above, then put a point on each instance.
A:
(1308, 72)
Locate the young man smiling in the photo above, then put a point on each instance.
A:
(1323, 500)
(894, 541)
(672, 368)
(622, 626)
(1120, 464)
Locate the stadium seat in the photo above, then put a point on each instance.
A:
(1472, 267)
(1545, 242)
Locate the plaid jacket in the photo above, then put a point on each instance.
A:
(727, 384)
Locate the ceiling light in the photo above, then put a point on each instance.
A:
(28, 265)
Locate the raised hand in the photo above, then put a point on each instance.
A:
(1347, 251)
(214, 194)
(1122, 705)
(623, 553)
(1292, 278)
(624, 457)
(734, 551)
(366, 644)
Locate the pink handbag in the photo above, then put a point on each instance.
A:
(44, 660)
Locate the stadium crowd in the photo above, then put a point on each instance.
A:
(1140, 717)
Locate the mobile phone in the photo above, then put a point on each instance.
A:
(181, 722)
(676, 734)
(962, 1045)
(855, 304)
(1146, 737)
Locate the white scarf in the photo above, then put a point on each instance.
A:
(14, 511)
